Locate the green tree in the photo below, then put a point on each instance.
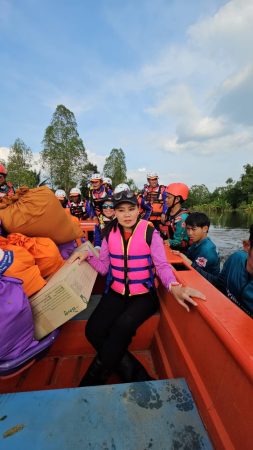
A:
(88, 170)
(115, 166)
(19, 165)
(64, 155)
(247, 183)
(198, 195)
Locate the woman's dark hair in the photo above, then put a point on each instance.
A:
(112, 225)
(197, 219)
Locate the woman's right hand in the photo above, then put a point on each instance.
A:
(81, 256)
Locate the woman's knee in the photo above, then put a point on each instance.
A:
(91, 333)
(126, 325)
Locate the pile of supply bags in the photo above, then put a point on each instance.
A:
(38, 213)
(33, 225)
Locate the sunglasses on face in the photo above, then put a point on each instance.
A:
(106, 206)
(123, 194)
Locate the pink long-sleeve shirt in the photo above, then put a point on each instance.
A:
(162, 267)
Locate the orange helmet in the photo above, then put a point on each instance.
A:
(178, 190)
(3, 170)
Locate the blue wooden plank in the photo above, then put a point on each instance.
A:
(157, 415)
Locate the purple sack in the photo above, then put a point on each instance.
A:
(16, 321)
(67, 249)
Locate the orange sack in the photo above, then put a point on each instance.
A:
(24, 268)
(75, 220)
(45, 252)
(37, 212)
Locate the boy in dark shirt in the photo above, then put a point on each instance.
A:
(202, 254)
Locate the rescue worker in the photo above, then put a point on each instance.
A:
(97, 194)
(6, 187)
(176, 194)
(236, 277)
(152, 199)
(107, 182)
(104, 219)
(66, 249)
(131, 252)
(202, 254)
(62, 197)
(77, 206)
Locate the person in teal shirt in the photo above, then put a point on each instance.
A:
(202, 254)
(236, 277)
(176, 194)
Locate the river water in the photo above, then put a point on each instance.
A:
(228, 230)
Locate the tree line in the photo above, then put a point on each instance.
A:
(65, 162)
(63, 159)
(234, 195)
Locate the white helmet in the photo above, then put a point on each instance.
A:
(107, 181)
(121, 187)
(151, 175)
(96, 177)
(74, 191)
(60, 194)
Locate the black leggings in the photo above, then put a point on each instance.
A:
(114, 322)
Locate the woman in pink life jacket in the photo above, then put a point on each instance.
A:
(132, 253)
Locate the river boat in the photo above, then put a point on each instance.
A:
(202, 358)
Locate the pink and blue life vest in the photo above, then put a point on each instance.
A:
(131, 266)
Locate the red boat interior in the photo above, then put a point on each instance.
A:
(211, 347)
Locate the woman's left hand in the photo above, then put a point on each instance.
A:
(183, 295)
(78, 255)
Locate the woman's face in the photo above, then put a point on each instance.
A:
(108, 209)
(127, 215)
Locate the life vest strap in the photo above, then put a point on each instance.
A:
(129, 256)
(130, 269)
(122, 281)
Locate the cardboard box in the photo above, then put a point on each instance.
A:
(66, 294)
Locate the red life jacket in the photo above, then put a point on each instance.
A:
(97, 198)
(155, 197)
(131, 263)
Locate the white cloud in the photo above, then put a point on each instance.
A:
(4, 152)
(236, 97)
(94, 158)
(229, 143)
(201, 129)
(228, 34)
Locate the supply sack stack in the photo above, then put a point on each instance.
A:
(38, 213)
(65, 295)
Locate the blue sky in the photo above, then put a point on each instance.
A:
(169, 82)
